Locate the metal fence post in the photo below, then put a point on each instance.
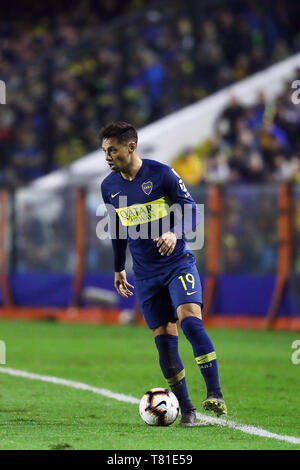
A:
(213, 247)
(79, 245)
(284, 230)
(4, 281)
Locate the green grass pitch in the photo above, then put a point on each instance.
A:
(259, 381)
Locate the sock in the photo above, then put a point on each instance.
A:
(172, 368)
(204, 353)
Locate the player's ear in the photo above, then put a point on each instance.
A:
(132, 146)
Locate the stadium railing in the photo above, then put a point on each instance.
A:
(50, 256)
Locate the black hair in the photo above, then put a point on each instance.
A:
(123, 131)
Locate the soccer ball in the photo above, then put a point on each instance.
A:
(159, 407)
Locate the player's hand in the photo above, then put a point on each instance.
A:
(166, 243)
(121, 284)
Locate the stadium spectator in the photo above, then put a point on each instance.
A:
(253, 144)
(190, 167)
(28, 159)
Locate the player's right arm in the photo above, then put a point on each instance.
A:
(119, 244)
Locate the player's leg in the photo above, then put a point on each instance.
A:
(186, 293)
(204, 352)
(160, 315)
(166, 340)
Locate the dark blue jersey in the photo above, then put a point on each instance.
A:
(140, 211)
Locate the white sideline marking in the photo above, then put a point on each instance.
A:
(248, 429)
(204, 419)
(69, 383)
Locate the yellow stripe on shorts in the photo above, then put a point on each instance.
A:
(206, 358)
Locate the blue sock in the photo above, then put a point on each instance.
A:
(204, 352)
(172, 368)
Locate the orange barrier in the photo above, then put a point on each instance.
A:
(86, 315)
(252, 323)
(111, 316)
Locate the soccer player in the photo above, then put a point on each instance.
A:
(137, 195)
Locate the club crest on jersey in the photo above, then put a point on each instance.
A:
(147, 187)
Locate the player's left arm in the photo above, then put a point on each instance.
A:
(188, 218)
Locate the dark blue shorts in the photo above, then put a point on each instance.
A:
(159, 297)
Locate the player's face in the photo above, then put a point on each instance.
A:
(117, 155)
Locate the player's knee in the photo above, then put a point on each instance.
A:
(189, 310)
(166, 329)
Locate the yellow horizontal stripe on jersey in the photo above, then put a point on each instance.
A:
(206, 358)
(174, 380)
(143, 213)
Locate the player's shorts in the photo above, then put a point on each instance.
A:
(159, 297)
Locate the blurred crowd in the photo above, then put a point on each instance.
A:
(251, 144)
(28, 31)
(71, 69)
